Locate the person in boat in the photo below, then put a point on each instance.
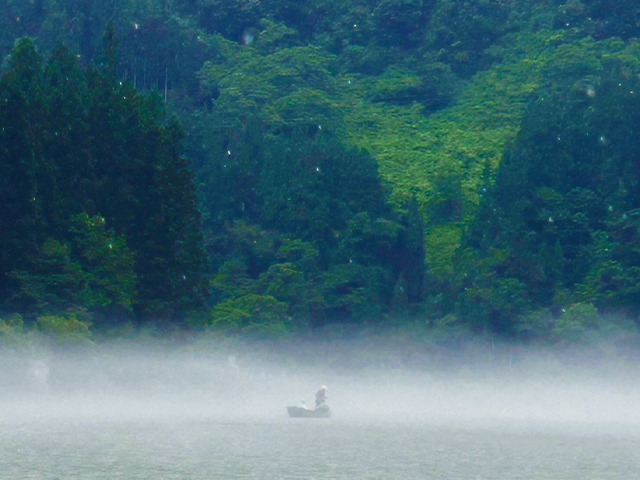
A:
(321, 396)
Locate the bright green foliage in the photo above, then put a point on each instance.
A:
(274, 36)
(449, 332)
(396, 86)
(14, 336)
(286, 87)
(583, 323)
(108, 262)
(448, 160)
(269, 264)
(441, 244)
(305, 106)
(432, 85)
(442, 159)
(231, 279)
(256, 316)
(283, 281)
(65, 330)
(96, 271)
(576, 323)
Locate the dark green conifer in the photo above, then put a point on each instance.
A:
(23, 226)
(99, 206)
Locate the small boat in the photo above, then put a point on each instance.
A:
(303, 412)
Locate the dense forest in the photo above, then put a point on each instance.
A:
(456, 169)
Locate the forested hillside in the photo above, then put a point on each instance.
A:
(271, 169)
(99, 210)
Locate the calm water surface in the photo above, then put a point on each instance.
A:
(174, 447)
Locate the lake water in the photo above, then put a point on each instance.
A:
(158, 416)
(170, 446)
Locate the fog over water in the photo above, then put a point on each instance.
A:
(220, 414)
(143, 380)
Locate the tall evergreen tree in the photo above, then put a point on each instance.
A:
(90, 171)
(22, 182)
(550, 232)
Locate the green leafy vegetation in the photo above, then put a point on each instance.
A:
(99, 208)
(449, 167)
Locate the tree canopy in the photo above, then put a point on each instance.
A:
(270, 169)
(99, 207)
